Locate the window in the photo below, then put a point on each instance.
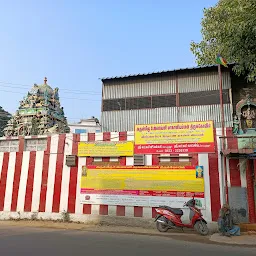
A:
(78, 131)
(9, 145)
(203, 98)
(97, 131)
(36, 144)
(164, 101)
(116, 104)
(138, 103)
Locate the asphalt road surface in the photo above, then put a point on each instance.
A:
(46, 242)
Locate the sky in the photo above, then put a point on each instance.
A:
(74, 43)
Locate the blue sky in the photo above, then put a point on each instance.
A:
(74, 43)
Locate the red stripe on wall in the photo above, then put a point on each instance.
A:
(103, 209)
(73, 177)
(153, 212)
(250, 191)
(120, 210)
(234, 170)
(194, 160)
(58, 174)
(91, 136)
(122, 160)
(3, 179)
(235, 178)
(106, 137)
(138, 211)
(17, 173)
(155, 159)
(87, 209)
(45, 176)
(122, 136)
(214, 182)
(30, 182)
(175, 159)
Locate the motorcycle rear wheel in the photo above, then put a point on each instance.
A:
(161, 227)
(201, 228)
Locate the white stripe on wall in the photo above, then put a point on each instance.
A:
(148, 160)
(114, 136)
(130, 136)
(98, 137)
(81, 162)
(221, 175)
(228, 172)
(23, 181)
(129, 160)
(9, 182)
(66, 174)
(242, 168)
(112, 210)
(51, 173)
(182, 158)
(203, 159)
(37, 181)
(79, 206)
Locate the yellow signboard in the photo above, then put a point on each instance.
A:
(152, 180)
(105, 148)
(187, 137)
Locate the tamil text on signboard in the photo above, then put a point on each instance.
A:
(105, 148)
(189, 137)
(145, 186)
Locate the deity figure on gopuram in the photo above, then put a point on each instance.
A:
(39, 113)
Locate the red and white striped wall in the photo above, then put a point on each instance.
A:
(40, 182)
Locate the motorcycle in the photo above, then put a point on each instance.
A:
(168, 218)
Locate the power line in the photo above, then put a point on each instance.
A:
(61, 97)
(64, 90)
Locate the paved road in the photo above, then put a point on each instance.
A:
(46, 242)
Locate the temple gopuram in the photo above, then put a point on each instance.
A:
(39, 113)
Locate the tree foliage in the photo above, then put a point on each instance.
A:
(4, 117)
(229, 28)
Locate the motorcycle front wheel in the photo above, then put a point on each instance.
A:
(201, 228)
(161, 227)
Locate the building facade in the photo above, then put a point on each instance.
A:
(85, 125)
(36, 180)
(168, 96)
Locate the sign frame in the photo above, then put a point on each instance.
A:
(185, 147)
(119, 149)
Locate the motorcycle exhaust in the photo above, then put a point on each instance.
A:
(161, 221)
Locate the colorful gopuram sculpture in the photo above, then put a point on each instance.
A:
(39, 113)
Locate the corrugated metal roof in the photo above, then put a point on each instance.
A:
(157, 73)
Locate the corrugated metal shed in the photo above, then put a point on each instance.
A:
(207, 81)
(104, 79)
(140, 87)
(165, 83)
(125, 120)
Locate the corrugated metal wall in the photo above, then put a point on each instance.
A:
(139, 87)
(188, 82)
(207, 81)
(125, 120)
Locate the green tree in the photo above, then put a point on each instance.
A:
(4, 117)
(229, 28)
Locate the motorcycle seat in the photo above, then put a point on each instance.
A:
(173, 210)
